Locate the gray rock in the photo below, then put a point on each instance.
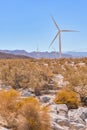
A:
(4, 87)
(59, 80)
(86, 121)
(62, 121)
(54, 117)
(53, 109)
(45, 98)
(78, 115)
(82, 113)
(55, 126)
(76, 126)
(25, 93)
(62, 109)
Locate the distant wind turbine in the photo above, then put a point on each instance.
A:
(59, 35)
(37, 52)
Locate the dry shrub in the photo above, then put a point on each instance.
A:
(36, 117)
(23, 114)
(67, 97)
(7, 100)
(25, 73)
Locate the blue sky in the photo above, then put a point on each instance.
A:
(26, 24)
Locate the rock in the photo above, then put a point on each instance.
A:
(82, 113)
(62, 121)
(81, 64)
(74, 117)
(53, 109)
(76, 126)
(45, 98)
(26, 93)
(62, 109)
(86, 121)
(55, 126)
(4, 87)
(54, 117)
(59, 80)
(66, 128)
(58, 114)
(78, 115)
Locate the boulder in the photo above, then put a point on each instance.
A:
(60, 119)
(78, 115)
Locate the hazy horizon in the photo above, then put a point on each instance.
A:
(41, 51)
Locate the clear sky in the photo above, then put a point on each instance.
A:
(26, 24)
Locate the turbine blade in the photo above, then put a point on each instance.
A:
(69, 31)
(54, 39)
(55, 23)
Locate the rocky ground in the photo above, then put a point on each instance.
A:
(61, 117)
(64, 119)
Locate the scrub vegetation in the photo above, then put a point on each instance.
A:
(38, 75)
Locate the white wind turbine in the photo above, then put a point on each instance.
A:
(59, 36)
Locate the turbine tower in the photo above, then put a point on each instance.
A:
(59, 36)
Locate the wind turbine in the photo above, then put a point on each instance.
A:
(37, 52)
(59, 36)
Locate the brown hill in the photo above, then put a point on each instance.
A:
(11, 56)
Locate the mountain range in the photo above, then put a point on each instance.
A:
(34, 54)
(4, 55)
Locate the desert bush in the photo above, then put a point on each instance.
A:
(67, 97)
(8, 105)
(25, 73)
(36, 116)
(23, 114)
(7, 101)
(37, 74)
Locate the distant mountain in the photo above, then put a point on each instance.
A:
(4, 55)
(15, 52)
(35, 54)
(46, 54)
